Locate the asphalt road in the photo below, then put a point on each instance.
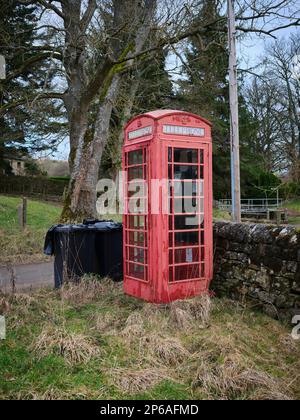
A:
(29, 276)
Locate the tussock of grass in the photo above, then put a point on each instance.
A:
(137, 381)
(229, 380)
(104, 322)
(165, 350)
(134, 327)
(92, 341)
(182, 318)
(75, 348)
(199, 309)
(53, 393)
(88, 290)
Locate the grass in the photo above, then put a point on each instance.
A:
(93, 342)
(24, 246)
(221, 215)
(294, 207)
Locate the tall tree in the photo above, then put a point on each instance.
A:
(28, 73)
(146, 87)
(94, 79)
(205, 90)
(17, 25)
(274, 100)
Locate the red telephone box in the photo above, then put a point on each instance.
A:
(168, 234)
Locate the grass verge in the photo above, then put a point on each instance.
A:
(93, 342)
(17, 246)
(294, 216)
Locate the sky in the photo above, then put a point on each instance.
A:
(250, 53)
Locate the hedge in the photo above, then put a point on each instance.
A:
(32, 186)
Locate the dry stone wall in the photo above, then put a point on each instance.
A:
(259, 263)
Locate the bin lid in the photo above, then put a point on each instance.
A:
(102, 226)
(105, 226)
(98, 226)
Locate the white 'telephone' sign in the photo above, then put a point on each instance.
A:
(146, 131)
(184, 131)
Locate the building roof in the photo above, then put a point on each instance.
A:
(14, 157)
(161, 113)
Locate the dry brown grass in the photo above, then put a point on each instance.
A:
(132, 381)
(199, 349)
(230, 380)
(167, 351)
(105, 322)
(25, 300)
(90, 289)
(5, 305)
(182, 318)
(21, 300)
(184, 312)
(54, 393)
(22, 247)
(75, 348)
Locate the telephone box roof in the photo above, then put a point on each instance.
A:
(161, 113)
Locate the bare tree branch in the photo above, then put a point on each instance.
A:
(88, 15)
(45, 95)
(50, 6)
(33, 60)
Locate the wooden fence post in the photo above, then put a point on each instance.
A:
(22, 213)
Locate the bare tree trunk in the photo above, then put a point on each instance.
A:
(126, 115)
(87, 150)
(81, 199)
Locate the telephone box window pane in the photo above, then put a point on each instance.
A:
(137, 189)
(186, 155)
(201, 188)
(186, 206)
(188, 272)
(187, 255)
(186, 239)
(186, 222)
(136, 255)
(135, 158)
(201, 202)
(201, 157)
(136, 271)
(185, 172)
(202, 238)
(171, 240)
(186, 189)
(201, 172)
(137, 238)
(136, 173)
(137, 222)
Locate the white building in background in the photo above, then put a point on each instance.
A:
(17, 164)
